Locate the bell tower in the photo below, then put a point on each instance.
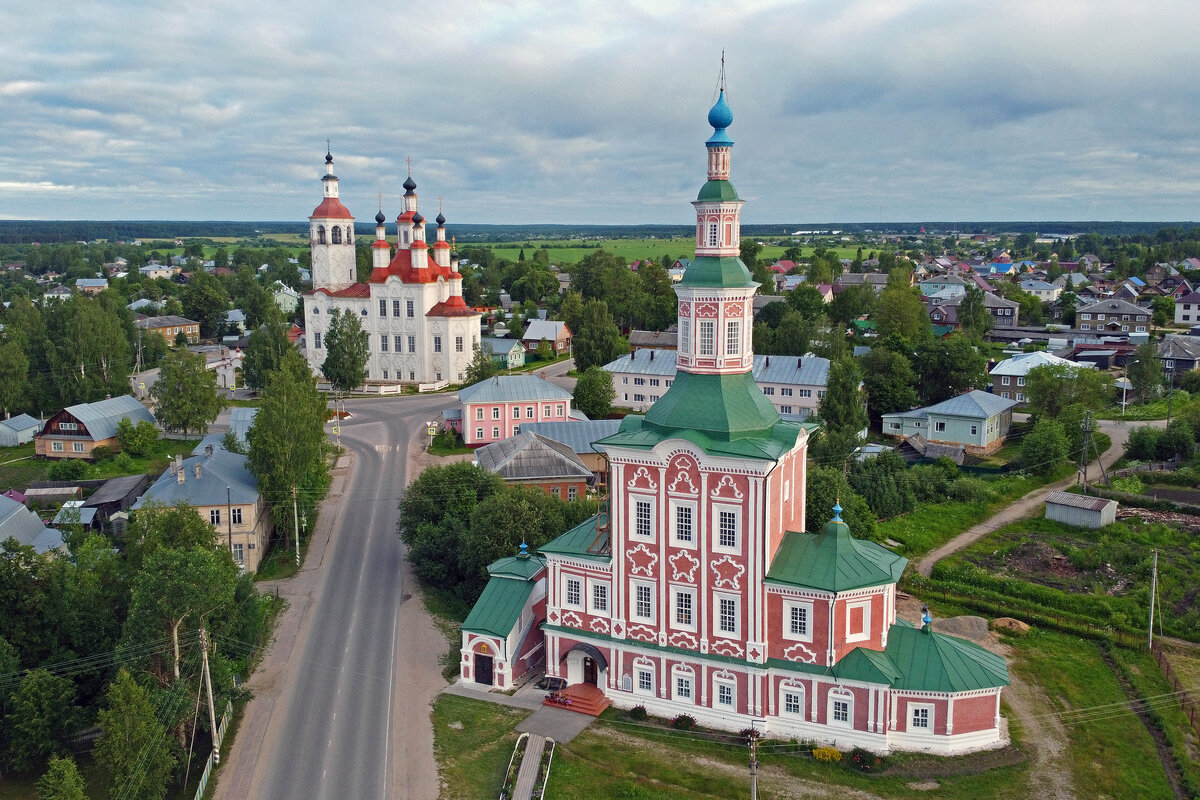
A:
(331, 237)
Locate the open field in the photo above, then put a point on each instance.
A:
(18, 467)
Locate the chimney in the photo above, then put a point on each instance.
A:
(768, 362)
(799, 363)
(179, 476)
(197, 469)
(651, 355)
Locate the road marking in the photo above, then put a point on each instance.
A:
(324, 772)
(387, 735)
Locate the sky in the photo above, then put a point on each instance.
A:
(594, 112)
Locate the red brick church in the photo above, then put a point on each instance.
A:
(695, 590)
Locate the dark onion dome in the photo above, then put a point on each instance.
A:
(440, 219)
(380, 218)
(328, 157)
(409, 185)
(417, 218)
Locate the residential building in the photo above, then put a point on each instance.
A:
(507, 353)
(977, 420)
(945, 311)
(18, 522)
(157, 270)
(495, 409)
(793, 384)
(170, 326)
(528, 459)
(1179, 354)
(220, 486)
(419, 329)
(1008, 377)
(580, 436)
(91, 285)
(1187, 309)
(944, 285)
(1112, 316)
(1046, 292)
(287, 298)
(77, 430)
(655, 340)
(555, 332)
(694, 591)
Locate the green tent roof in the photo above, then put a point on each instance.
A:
(726, 272)
(522, 567)
(722, 406)
(936, 662)
(585, 540)
(499, 607)
(636, 433)
(833, 560)
(717, 190)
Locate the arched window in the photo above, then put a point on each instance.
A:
(791, 700)
(337, 235)
(320, 234)
(349, 234)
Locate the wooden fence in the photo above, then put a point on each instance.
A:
(220, 735)
(1186, 699)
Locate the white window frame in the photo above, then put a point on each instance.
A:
(649, 586)
(638, 688)
(56, 447)
(76, 447)
(569, 581)
(214, 516)
(693, 608)
(733, 338)
(478, 434)
(720, 684)
(235, 514)
(914, 714)
(840, 696)
(478, 412)
(706, 339)
(719, 601)
(717, 547)
(685, 335)
(683, 685)
(799, 693)
(1006, 380)
(634, 533)
(692, 540)
(599, 598)
(495, 432)
(239, 553)
(852, 605)
(803, 605)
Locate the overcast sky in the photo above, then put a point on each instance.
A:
(594, 112)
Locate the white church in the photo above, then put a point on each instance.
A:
(419, 329)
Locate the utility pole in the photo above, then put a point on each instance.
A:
(1153, 592)
(753, 764)
(229, 518)
(296, 523)
(212, 711)
(1083, 451)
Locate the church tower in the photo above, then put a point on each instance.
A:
(331, 234)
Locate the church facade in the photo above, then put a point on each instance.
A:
(419, 329)
(696, 591)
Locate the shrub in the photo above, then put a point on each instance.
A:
(1132, 484)
(70, 469)
(865, 760)
(638, 713)
(970, 490)
(123, 462)
(684, 722)
(103, 452)
(830, 755)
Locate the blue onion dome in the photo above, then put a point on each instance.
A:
(409, 185)
(440, 219)
(380, 218)
(720, 115)
(417, 218)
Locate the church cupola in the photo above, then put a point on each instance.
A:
(441, 248)
(381, 251)
(331, 235)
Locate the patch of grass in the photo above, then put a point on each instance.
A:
(473, 754)
(448, 612)
(18, 468)
(1112, 755)
(1147, 411)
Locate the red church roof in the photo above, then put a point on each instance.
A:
(453, 306)
(331, 208)
(353, 290)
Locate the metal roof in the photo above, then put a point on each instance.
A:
(500, 346)
(22, 422)
(219, 471)
(544, 329)
(974, 404)
(168, 321)
(101, 418)
(1079, 501)
(578, 436)
(1110, 306)
(928, 661)
(528, 456)
(834, 561)
(512, 389)
(499, 607)
(18, 522)
(589, 539)
(1022, 363)
(788, 370)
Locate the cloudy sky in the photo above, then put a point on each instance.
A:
(594, 112)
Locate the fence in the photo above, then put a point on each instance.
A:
(220, 735)
(1190, 706)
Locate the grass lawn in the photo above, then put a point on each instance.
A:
(472, 741)
(1148, 411)
(18, 468)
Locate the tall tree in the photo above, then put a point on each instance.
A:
(482, 366)
(900, 311)
(14, 378)
(1144, 371)
(1044, 447)
(90, 355)
(594, 392)
(1051, 388)
(948, 367)
(973, 316)
(206, 301)
(890, 382)
(345, 364)
(598, 340)
(265, 349)
(841, 409)
(39, 718)
(133, 748)
(185, 393)
(61, 781)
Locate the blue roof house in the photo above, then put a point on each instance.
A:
(977, 420)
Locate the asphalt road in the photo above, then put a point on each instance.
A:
(335, 737)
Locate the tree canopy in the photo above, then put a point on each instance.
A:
(345, 364)
(185, 393)
(594, 392)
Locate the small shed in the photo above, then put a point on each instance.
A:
(1080, 510)
(18, 430)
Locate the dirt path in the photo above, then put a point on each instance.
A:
(1045, 740)
(1031, 504)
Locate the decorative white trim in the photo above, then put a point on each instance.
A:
(641, 632)
(646, 569)
(728, 577)
(727, 648)
(798, 652)
(572, 620)
(684, 640)
(688, 571)
(726, 482)
(642, 473)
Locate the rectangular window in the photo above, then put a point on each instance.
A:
(785, 409)
(383, 343)
(974, 429)
(683, 608)
(77, 447)
(798, 621)
(707, 336)
(920, 717)
(317, 340)
(516, 412)
(599, 597)
(495, 433)
(529, 412)
(56, 447)
(68, 426)
(558, 410)
(724, 694)
(768, 390)
(1021, 380)
(727, 616)
(841, 711)
(236, 515)
(639, 398)
(806, 392)
(733, 338)
(654, 381)
(645, 680)
(382, 307)
(545, 411)
(572, 492)
(458, 344)
(639, 381)
(412, 345)
(643, 602)
(437, 344)
(408, 304)
(785, 392)
(939, 426)
(685, 335)
(727, 530)
(792, 703)
(683, 688)
(683, 523)
(574, 592)
(239, 554)
(496, 412)
(556, 492)
(395, 308)
(214, 516)
(398, 345)
(478, 434)
(642, 518)
(479, 412)
(1006, 380)
(712, 234)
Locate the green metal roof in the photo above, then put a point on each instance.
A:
(522, 567)
(870, 666)
(717, 190)
(636, 433)
(833, 560)
(726, 272)
(936, 662)
(499, 607)
(585, 540)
